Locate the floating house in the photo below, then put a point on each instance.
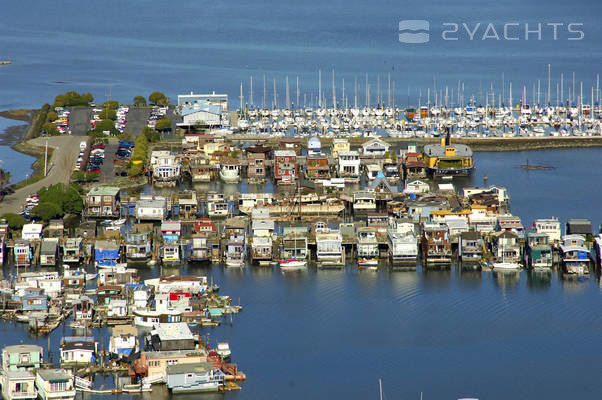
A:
(375, 148)
(191, 378)
(448, 159)
(171, 336)
(55, 384)
(285, 166)
(229, 170)
(18, 385)
(506, 247)
(317, 167)
(22, 357)
(102, 202)
(416, 186)
(217, 206)
(123, 344)
(73, 250)
(470, 246)
(339, 146)
(436, 245)
(138, 245)
(22, 253)
(151, 208)
(403, 243)
(575, 255)
(367, 247)
(170, 249)
(32, 232)
(106, 253)
(349, 166)
(165, 167)
(49, 251)
(550, 227)
(256, 169)
(538, 251)
(294, 243)
(364, 200)
(330, 252)
(78, 350)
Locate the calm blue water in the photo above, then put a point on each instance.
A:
(18, 164)
(454, 333)
(142, 45)
(327, 335)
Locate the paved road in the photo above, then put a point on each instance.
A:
(137, 119)
(66, 149)
(79, 120)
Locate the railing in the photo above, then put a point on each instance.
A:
(24, 395)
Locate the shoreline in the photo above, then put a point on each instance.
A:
(24, 132)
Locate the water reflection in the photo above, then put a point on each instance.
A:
(506, 279)
(539, 279)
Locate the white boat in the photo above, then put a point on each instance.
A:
(506, 266)
(120, 221)
(293, 265)
(223, 349)
(229, 172)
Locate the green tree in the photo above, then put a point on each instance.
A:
(52, 116)
(72, 201)
(102, 126)
(72, 98)
(108, 113)
(157, 98)
(139, 101)
(14, 221)
(111, 104)
(163, 124)
(151, 134)
(46, 211)
(50, 129)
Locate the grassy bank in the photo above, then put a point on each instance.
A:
(20, 114)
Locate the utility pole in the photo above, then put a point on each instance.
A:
(46, 158)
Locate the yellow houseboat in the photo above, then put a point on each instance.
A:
(448, 159)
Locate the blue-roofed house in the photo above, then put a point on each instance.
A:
(201, 112)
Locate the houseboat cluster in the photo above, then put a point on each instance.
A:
(292, 205)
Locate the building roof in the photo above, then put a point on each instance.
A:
(103, 191)
(19, 374)
(54, 375)
(436, 150)
(23, 348)
(171, 354)
(201, 106)
(83, 345)
(263, 224)
(32, 228)
(285, 153)
(173, 331)
(199, 368)
(314, 143)
(49, 246)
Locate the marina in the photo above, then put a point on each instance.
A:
(258, 200)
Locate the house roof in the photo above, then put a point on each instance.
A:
(201, 106)
(381, 183)
(54, 375)
(23, 348)
(173, 331)
(199, 368)
(263, 224)
(32, 228)
(103, 191)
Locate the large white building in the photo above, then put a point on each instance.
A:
(207, 109)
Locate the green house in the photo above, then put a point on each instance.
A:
(22, 357)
